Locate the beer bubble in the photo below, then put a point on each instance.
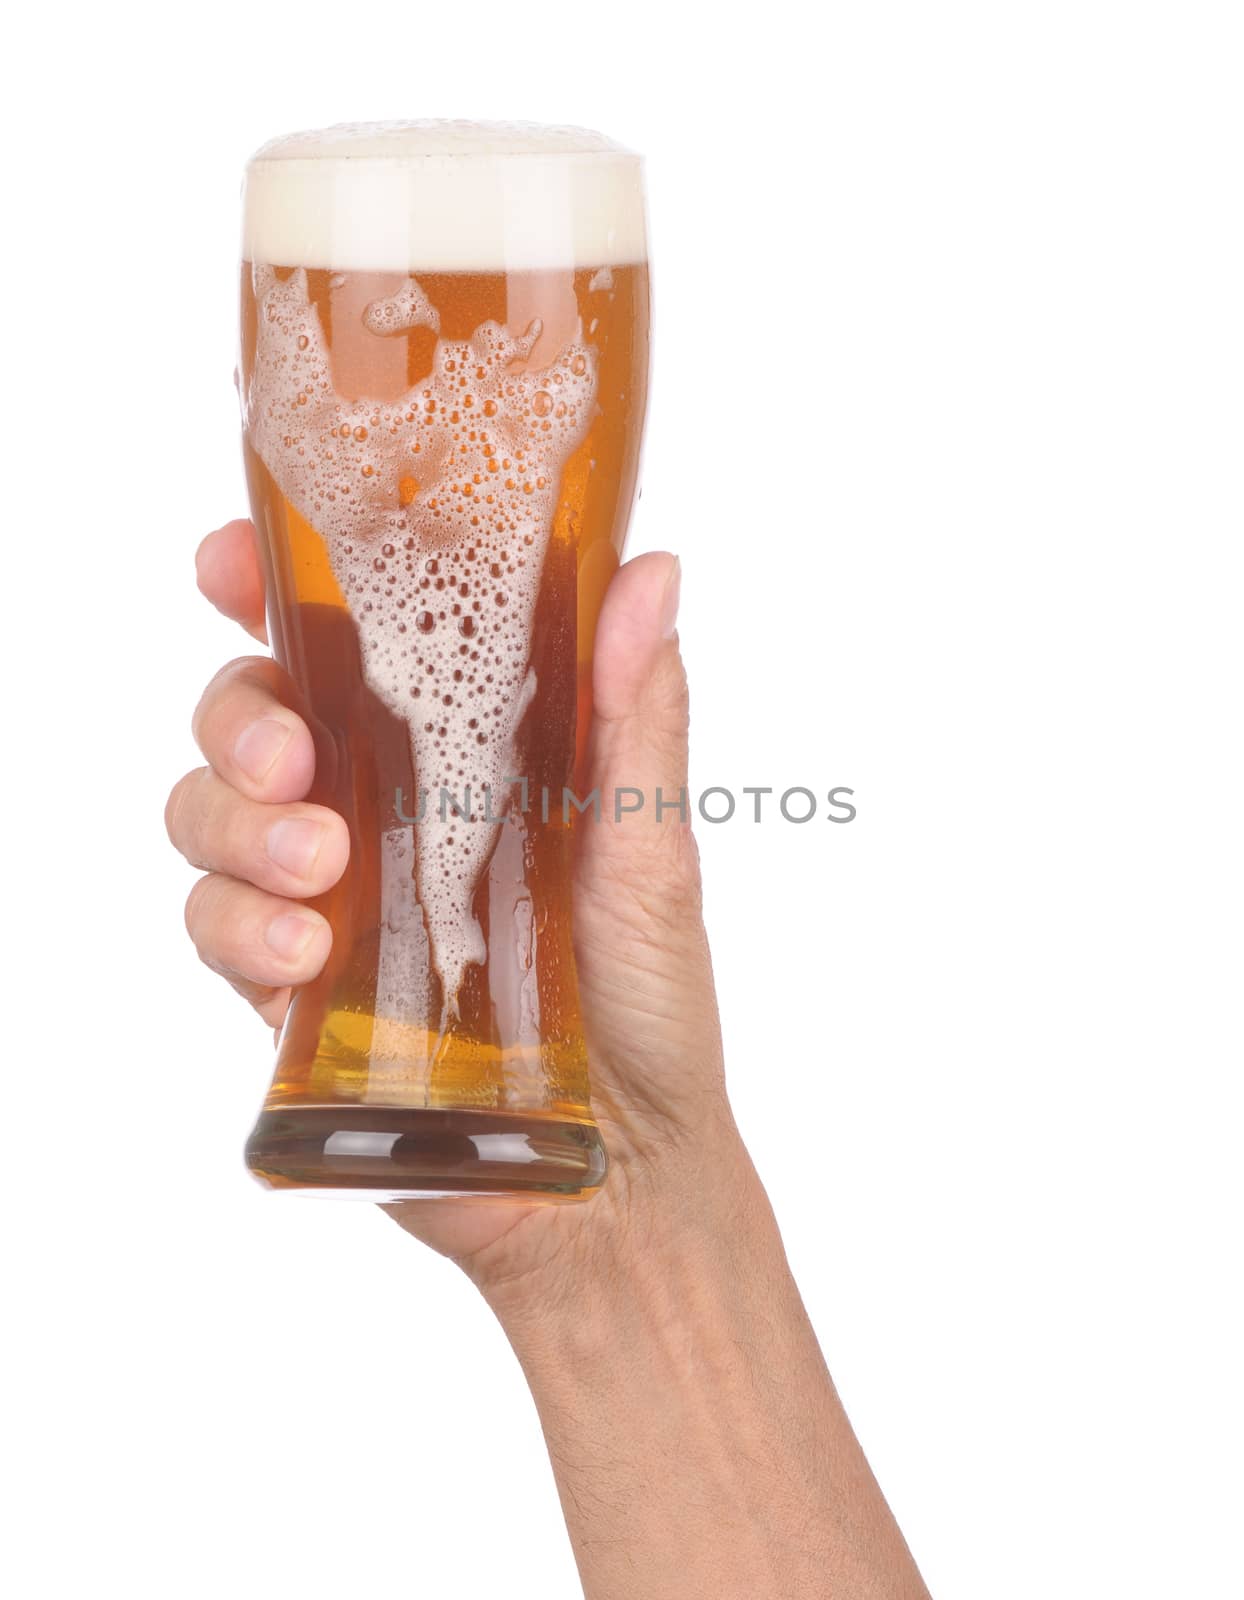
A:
(425, 622)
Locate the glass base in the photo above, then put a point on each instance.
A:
(387, 1153)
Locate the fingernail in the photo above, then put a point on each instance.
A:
(669, 600)
(294, 843)
(259, 746)
(291, 933)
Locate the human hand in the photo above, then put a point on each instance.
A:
(645, 978)
(697, 1441)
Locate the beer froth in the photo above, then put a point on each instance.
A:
(444, 196)
(436, 511)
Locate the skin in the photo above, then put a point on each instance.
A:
(699, 1446)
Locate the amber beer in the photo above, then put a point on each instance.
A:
(443, 378)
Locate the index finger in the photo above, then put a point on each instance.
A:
(230, 576)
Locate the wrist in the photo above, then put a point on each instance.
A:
(676, 1374)
(697, 1441)
(665, 1233)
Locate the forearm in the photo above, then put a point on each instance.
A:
(699, 1446)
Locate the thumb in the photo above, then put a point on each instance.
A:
(639, 692)
(645, 976)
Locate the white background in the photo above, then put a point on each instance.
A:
(946, 428)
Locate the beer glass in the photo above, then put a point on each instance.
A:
(443, 375)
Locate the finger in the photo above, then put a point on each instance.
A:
(296, 850)
(230, 576)
(639, 739)
(247, 728)
(253, 938)
(271, 1004)
(645, 973)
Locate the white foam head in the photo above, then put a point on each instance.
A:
(444, 196)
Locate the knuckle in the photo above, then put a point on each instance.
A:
(669, 699)
(175, 807)
(254, 673)
(200, 906)
(219, 923)
(255, 669)
(221, 837)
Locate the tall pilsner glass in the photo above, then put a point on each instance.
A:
(443, 375)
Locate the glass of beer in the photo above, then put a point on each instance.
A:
(443, 375)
